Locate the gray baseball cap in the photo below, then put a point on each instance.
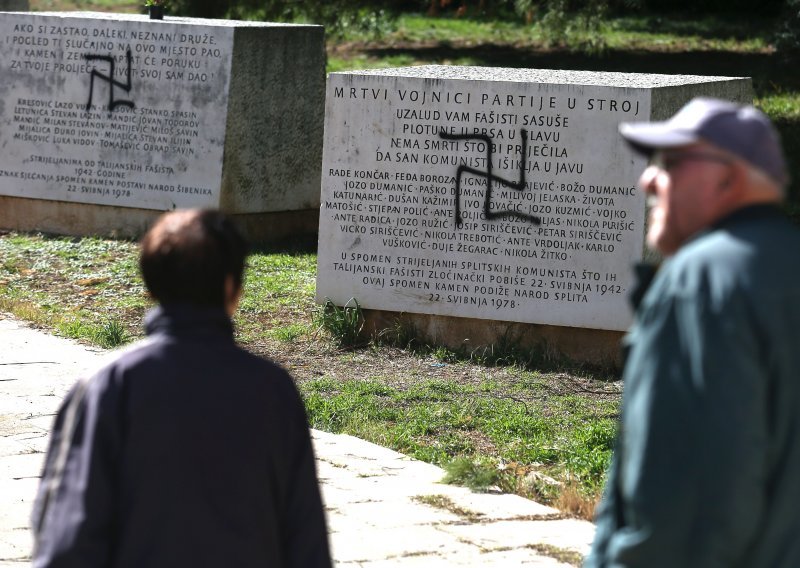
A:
(741, 130)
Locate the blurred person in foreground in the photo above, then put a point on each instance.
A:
(185, 450)
(706, 472)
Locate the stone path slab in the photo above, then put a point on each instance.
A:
(384, 509)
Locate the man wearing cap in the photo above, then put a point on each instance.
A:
(707, 467)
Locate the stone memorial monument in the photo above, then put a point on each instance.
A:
(457, 195)
(108, 120)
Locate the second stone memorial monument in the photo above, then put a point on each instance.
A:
(465, 194)
(106, 120)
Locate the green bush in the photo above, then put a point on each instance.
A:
(567, 23)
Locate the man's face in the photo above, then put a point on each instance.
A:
(682, 186)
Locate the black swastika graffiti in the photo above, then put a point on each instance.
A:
(112, 103)
(487, 204)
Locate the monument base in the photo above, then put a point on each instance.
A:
(65, 218)
(595, 347)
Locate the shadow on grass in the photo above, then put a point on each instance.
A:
(301, 244)
(507, 351)
(718, 27)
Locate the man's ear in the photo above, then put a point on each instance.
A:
(731, 189)
(729, 179)
(233, 294)
(735, 179)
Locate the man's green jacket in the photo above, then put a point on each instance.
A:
(707, 467)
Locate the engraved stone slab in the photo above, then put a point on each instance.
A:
(119, 110)
(497, 194)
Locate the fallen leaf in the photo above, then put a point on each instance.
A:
(92, 281)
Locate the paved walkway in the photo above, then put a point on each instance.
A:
(384, 509)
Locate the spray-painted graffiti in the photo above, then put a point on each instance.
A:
(112, 102)
(487, 203)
